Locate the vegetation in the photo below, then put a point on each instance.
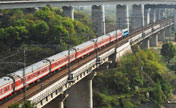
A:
(44, 32)
(26, 104)
(41, 27)
(139, 79)
(168, 51)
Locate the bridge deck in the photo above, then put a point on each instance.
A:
(56, 3)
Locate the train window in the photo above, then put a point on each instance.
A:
(0, 91)
(3, 90)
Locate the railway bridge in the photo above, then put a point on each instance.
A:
(148, 22)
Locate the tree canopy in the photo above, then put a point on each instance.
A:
(44, 32)
(42, 27)
(139, 79)
(168, 51)
(26, 104)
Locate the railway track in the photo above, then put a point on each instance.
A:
(55, 76)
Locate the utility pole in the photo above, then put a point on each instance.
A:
(70, 76)
(24, 79)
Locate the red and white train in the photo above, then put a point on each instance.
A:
(40, 69)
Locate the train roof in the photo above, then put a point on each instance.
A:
(4, 80)
(60, 55)
(29, 69)
(83, 45)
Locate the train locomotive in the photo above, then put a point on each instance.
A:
(13, 82)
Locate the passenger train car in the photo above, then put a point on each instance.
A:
(42, 68)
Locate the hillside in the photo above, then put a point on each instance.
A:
(142, 77)
(41, 33)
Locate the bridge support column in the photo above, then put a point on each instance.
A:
(68, 11)
(154, 41)
(168, 32)
(137, 17)
(98, 19)
(175, 21)
(146, 16)
(172, 12)
(168, 36)
(152, 15)
(122, 16)
(167, 12)
(80, 95)
(161, 35)
(58, 102)
(157, 14)
(161, 12)
(145, 43)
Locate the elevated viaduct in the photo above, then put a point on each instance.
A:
(151, 21)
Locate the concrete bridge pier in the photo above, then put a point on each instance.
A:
(168, 32)
(122, 17)
(161, 12)
(145, 43)
(161, 36)
(175, 21)
(98, 19)
(157, 14)
(152, 15)
(146, 15)
(168, 36)
(80, 95)
(137, 17)
(172, 12)
(167, 12)
(154, 40)
(58, 102)
(68, 11)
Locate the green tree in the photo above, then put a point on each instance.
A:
(158, 95)
(168, 51)
(40, 31)
(26, 104)
(16, 105)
